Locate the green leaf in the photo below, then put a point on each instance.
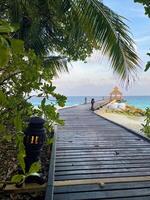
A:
(22, 148)
(43, 102)
(3, 98)
(2, 128)
(18, 122)
(4, 55)
(4, 42)
(147, 66)
(17, 45)
(7, 137)
(61, 122)
(5, 27)
(19, 139)
(19, 178)
(61, 100)
(21, 161)
(35, 167)
(49, 141)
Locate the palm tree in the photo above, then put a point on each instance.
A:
(72, 29)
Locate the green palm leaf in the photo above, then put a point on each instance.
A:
(110, 33)
(57, 64)
(73, 29)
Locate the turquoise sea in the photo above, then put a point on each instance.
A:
(141, 102)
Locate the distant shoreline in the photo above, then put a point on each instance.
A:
(140, 102)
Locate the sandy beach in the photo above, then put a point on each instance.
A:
(131, 122)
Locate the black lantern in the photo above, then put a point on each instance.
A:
(33, 140)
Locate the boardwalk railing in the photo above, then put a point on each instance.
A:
(101, 103)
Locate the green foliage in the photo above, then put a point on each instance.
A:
(5, 50)
(148, 64)
(7, 138)
(18, 79)
(22, 74)
(21, 161)
(129, 111)
(18, 122)
(6, 28)
(20, 178)
(50, 141)
(146, 126)
(146, 4)
(35, 167)
(73, 29)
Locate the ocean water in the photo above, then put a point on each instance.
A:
(141, 102)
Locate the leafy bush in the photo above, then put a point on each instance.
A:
(146, 126)
(20, 178)
(22, 73)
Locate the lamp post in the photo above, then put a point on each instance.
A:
(33, 140)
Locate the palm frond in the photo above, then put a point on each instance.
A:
(73, 29)
(56, 64)
(110, 33)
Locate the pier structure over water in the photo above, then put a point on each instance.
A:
(94, 158)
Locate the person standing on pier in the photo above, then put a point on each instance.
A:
(92, 103)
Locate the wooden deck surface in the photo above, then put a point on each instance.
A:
(90, 147)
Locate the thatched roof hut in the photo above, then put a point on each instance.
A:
(116, 94)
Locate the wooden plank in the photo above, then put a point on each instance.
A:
(96, 148)
(77, 151)
(109, 158)
(88, 131)
(11, 188)
(99, 144)
(109, 139)
(114, 166)
(108, 146)
(104, 195)
(106, 162)
(98, 155)
(90, 150)
(105, 187)
(97, 140)
(99, 175)
(102, 171)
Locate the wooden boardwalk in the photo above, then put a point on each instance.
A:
(90, 147)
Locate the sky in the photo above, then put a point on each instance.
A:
(95, 77)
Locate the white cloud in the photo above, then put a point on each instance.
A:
(143, 39)
(85, 81)
(95, 77)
